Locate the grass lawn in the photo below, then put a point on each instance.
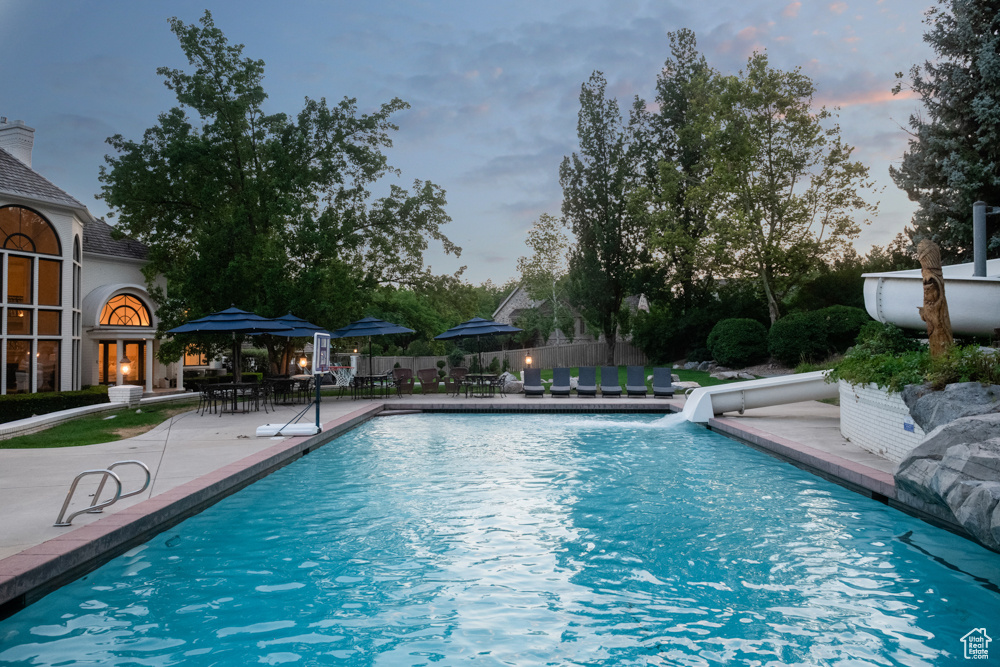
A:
(98, 428)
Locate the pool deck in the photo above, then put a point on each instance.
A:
(195, 460)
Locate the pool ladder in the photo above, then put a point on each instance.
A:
(96, 508)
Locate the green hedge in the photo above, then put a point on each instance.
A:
(22, 406)
(843, 324)
(798, 337)
(738, 342)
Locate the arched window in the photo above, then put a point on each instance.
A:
(76, 249)
(24, 230)
(125, 310)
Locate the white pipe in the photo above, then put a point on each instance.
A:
(973, 302)
(706, 402)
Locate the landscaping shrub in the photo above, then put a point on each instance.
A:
(22, 406)
(883, 355)
(798, 337)
(456, 358)
(738, 342)
(699, 354)
(843, 324)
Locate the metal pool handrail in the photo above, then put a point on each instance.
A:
(94, 506)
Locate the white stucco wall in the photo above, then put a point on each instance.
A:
(877, 421)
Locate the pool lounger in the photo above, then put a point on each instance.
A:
(609, 381)
(560, 382)
(533, 382)
(587, 384)
(635, 382)
(663, 384)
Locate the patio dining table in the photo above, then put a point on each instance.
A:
(231, 392)
(370, 386)
(480, 385)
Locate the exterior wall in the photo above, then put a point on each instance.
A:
(67, 228)
(877, 421)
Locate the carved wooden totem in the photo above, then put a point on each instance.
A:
(935, 309)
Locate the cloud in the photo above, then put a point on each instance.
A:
(838, 7)
(856, 97)
(792, 9)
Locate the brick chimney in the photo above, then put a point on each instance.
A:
(17, 139)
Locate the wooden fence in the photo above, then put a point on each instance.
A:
(575, 354)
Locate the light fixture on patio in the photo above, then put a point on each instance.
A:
(126, 364)
(527, 361)
(302, 363)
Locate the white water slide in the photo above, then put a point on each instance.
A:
(973, 301)
(705, 402)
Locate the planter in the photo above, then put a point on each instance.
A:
(877, 421)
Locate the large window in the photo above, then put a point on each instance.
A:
(18, 369)
(125, 311)
(19, 279)
(47, 368)
(23, 229)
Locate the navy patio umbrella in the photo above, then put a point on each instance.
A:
(368, 327)
(475, 328)
(300, 328)
(232, 321)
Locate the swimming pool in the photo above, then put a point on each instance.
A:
(527, 539)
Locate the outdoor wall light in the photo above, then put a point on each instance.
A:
(126, 364)
(527, 361)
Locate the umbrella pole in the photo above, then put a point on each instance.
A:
(370, 356)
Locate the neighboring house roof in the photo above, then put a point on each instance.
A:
(97, 239)
(17, 178)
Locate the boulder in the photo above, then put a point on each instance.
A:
(674, 377)
(957, 469)
(691, 365)
(931, 409)
(746, 376)
(725, 375)
(705, 366)
(685, 385)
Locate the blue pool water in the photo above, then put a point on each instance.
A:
(527, 540)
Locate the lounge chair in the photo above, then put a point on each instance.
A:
(560, 382)
(429, 380)
(663, 383)
(635, 381)
(533, 382)
(453, 383)
(587, 384)
(609, 381)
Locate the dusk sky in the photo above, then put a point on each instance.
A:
(493, 88)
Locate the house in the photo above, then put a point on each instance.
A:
(75, 309)
(519, 301)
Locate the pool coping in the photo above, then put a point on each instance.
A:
(29, 575)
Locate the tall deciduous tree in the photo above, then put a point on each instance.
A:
(543, 276)
(263, 211)
(954, 153)
(675, 200)
(792, 190)
(596, 183)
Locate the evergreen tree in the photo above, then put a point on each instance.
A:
(954, 153)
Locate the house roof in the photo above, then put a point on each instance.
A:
(97, 239)
(17, 178)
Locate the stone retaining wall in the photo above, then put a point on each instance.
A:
(877, 421)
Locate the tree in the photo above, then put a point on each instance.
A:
(596, 183)
(675, 202)
(791, 188)
(954, 151)
(543, 278)
(263, 211)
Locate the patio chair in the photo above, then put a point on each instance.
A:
(453, 383)
(587, 384)
(635, 381)
(402, 378)
(560, 382)
(663, 384)
(533, 382)
(429, 380)
(609, 381)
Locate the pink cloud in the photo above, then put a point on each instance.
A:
(838, 7)
(878, 96)
(792, 9)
